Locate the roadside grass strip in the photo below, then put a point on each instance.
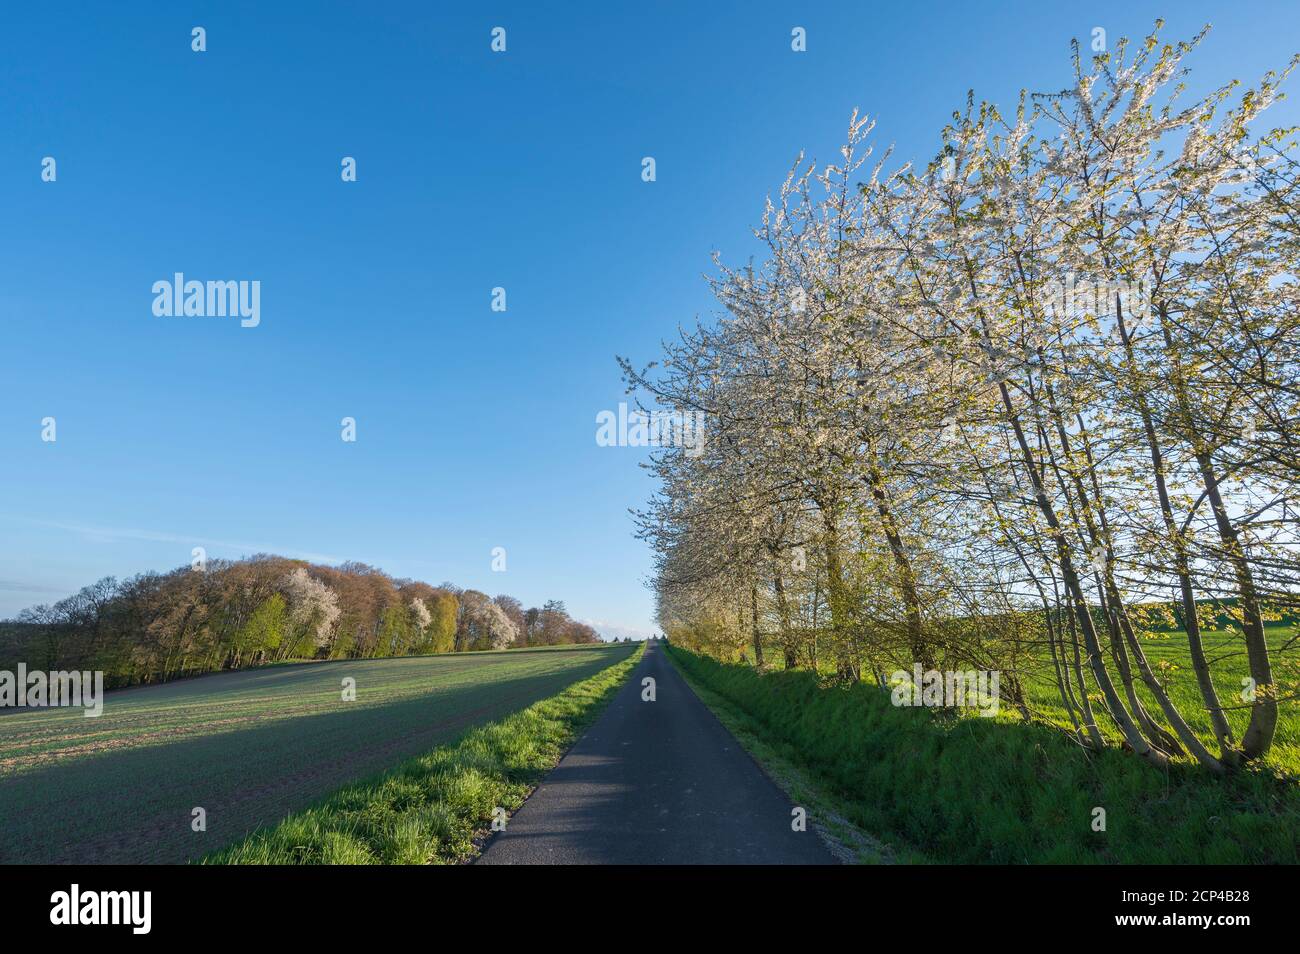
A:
(432, 809)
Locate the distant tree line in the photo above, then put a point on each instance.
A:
(231, 614)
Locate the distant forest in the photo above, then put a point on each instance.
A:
(232, 614)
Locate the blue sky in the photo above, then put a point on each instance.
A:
(475, 429)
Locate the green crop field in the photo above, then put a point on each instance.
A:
(1170, 657)
(247, 747)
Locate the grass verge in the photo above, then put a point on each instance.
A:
(429, 809)
(975, 790)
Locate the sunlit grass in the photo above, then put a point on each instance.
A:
(429, 809)
(1170, 658)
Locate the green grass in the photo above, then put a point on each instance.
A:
(430, 809)
(976, 790)
(1169, 656)
(1227, 657)
(247, 747)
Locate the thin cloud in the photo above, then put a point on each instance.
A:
(18, 586)
(113, 534)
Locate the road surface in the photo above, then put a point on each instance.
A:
(658, 782)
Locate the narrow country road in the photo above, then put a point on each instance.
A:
(658, 782)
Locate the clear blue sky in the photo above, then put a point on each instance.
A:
(522, 170)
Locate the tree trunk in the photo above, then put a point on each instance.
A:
(1125, 722)
(788, 647)
(1263, 714)
(1182, 565)
(902, 563)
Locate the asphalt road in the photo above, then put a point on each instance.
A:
(658, 782)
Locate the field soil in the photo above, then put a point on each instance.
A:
(247, 747)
